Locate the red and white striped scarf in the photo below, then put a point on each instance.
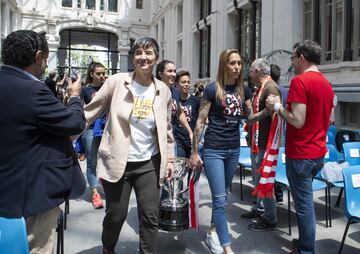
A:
(265, 188)
(255, 126)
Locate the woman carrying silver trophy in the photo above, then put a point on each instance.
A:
(136, 150)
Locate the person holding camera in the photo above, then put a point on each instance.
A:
(38, 169)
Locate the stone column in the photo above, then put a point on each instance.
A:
(124, 58)
(124, 48)
(54, 43)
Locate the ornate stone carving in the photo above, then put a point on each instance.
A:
(91, 19)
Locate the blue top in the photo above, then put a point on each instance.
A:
(224, 117)
(190, 108)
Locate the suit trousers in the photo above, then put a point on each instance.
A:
(41, 231)
(144, 178)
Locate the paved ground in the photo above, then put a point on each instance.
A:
(84, 228)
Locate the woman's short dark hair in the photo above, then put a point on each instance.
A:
(181, 73)
(309, 49)
(19, 48)
(147, 42)
(160, 67)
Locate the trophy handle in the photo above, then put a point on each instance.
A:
(184, 190)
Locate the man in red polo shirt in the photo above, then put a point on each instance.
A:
(309, 103)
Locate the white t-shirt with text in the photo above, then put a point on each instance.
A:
(144, 141)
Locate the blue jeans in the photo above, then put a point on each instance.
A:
(220, 167)
(269, 204)
(91, 147)
(300, 174)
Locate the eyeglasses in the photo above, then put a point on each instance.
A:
(100, 73)
(292, 57)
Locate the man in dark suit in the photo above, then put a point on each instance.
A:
(38, 170)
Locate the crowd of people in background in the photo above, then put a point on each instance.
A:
(132, 125)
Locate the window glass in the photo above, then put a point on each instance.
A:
(328, 30)
(139, 4)
(113, 5)
(205, 53)
(90, 4)
(66, 3)
(307, 19)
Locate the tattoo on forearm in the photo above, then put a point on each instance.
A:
(203, 114)
(252, 118)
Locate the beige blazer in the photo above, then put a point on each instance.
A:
(116, 99)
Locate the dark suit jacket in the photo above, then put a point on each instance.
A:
(38, 169)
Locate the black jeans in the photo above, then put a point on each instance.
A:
(144, 178)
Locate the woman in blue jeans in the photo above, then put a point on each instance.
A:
(95, 78)
(224, 103)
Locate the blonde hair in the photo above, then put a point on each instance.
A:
(222, 75)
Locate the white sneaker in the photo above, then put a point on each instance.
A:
(212, 241)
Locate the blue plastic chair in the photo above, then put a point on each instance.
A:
(331, 156)
(243, 142)
(13, 236)
(352, 156)
(244, 163)
(281, 179)
(352, 199)
(352, 153)
(330, 139)
(333, 130)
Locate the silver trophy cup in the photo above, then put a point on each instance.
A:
(174, 208)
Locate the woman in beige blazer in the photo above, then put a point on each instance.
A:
(137, 145)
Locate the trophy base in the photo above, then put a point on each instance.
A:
(174, 219)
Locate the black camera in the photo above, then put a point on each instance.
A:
(61, 73)
(74, 75)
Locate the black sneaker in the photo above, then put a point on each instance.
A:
(257, 206)
(251, 215)
(262, 225)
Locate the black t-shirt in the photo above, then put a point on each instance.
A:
(87, 93)
(224, 117)
(175, 95)
(190, 108)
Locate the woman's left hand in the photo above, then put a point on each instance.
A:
(169, 170)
